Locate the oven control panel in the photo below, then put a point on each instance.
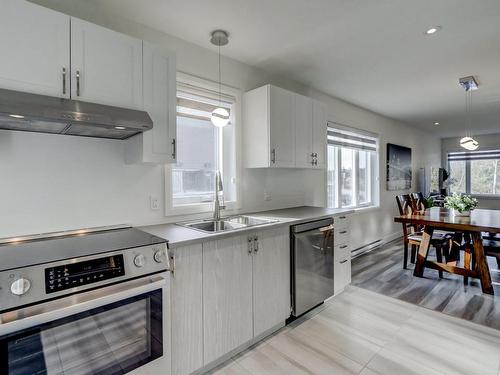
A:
(37, 283)
(72, 275)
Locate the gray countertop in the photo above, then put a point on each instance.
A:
(181, 236)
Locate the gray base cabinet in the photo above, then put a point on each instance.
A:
(187, 309)
(227, 296)
(271, 279)
(225, 293)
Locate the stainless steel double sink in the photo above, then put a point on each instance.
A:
(227, 223)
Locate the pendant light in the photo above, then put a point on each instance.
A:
(220, 115)
(469, 84)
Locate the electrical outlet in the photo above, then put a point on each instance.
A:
(267, 196)
(154, 203)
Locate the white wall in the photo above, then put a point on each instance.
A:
(486, 142)
(54, 182)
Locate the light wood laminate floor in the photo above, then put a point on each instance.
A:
(382, 271)
(362, 332)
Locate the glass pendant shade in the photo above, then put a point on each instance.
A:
(220, 117)
(469, 143)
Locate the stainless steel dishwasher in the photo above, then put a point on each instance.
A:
(312, 264)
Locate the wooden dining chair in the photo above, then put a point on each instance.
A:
(419, 201)
(491, 245)
(412, 235)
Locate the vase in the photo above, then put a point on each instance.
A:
(460, 214)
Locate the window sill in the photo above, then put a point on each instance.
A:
(485, 196)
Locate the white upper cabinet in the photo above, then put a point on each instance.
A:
(319, 135)
(35, 49)
(283, 129)
(269, 128)
(157, 145)
(106, 66)
(303, 132)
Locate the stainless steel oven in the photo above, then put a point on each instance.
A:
(106, 314)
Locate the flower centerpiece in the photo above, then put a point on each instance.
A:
(461, 205)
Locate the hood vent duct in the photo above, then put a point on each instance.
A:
(47, 114)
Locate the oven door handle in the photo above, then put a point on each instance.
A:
(14, 321)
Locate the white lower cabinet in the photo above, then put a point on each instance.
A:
(227, 296)
(342, 268)
(271, 279)
(187, 309)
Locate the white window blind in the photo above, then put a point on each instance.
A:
(198, 107)
(350, 139)
(475, 155)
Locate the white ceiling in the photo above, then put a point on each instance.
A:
(370, 53)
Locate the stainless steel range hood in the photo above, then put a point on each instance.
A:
(47, 114)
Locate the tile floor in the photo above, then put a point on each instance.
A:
(361, 332)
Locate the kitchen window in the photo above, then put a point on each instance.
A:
(352, 168)
(202, 148)
(475, 172)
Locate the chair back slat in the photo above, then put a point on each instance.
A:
(405, 204)
(419, 202)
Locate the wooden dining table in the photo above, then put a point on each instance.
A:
(437, 218)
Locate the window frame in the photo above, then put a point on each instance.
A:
(468, 175)
(373, 182)
(204, 86)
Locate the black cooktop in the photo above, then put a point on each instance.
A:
(46, 250)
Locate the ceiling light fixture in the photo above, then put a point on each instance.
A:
(432, 30)
(436, 123)
(220, 115)
(469, 84)
(120, 127)
(16, 116)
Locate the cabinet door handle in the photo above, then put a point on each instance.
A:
(343, 246)
(343, 232)
(77, 83)
(342, 217)
(273, 156)
(256, 244)
(64, 80)
(342, 262)
(250, 245)
(172, 264)
(174, 149)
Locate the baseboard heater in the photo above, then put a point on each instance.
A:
(367, 248)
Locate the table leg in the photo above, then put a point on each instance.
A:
(423, 250)
(482, 263)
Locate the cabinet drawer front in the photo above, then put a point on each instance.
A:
(342, 252)
(342, 221)
(342, 275)
(341, 236)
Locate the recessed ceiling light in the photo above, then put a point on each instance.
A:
(432, 30)
(436, 123)
(17, 116)
(120, 127)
